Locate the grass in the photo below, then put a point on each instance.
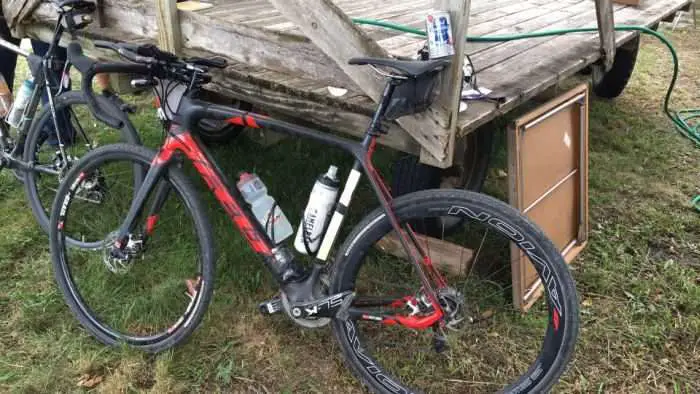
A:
(639, 279)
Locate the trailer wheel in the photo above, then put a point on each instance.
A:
(218, 131)
(410, 175)
(611, 84)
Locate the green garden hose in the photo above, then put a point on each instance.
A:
(687, 122)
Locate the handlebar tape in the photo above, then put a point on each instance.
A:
(89, 68)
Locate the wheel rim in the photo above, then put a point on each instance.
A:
(495, 348)
(156, 288)
(83, 137)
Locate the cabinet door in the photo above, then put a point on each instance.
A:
(548, 177)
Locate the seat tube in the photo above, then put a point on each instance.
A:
(375, 124)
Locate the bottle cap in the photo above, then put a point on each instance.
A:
(332, 173)
(244, 177)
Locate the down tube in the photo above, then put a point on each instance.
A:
(214, 179)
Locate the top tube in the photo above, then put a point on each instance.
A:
(14, 48)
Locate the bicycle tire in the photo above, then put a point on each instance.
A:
(178, 181)
(33, 142)
(542, 374)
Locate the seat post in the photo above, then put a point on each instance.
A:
(381, 109)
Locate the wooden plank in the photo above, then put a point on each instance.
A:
(606, 24)
(331, 30)
(169, 35)
(264, 49)
(15, 11)
(505, 51)
(390, 11)
(533, 71)
(484, 24)
(100, 13)
(446, 256)
(450, 90)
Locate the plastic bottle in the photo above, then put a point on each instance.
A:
(254, 192)
(14, 119)
(318, 210)
(5, 98)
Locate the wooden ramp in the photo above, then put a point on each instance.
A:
(276, 66)
(517, 70)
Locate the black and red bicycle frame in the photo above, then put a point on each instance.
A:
(180, 140)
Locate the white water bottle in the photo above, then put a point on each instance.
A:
(318, 210)
(275, 223)
(14, 118)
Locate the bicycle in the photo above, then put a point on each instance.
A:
(41, 153)
(157, 255)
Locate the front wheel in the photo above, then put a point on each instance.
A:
(482, 342)
(152, 292)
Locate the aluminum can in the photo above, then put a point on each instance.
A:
(439, 31)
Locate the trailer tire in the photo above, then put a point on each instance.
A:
(219, 132)
(409, 175)
(611, 84)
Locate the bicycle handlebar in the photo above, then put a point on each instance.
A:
(89, 68)
(146, 60)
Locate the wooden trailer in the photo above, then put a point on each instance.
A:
(285, 54)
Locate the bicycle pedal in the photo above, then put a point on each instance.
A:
(271, 307)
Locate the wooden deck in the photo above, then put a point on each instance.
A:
(275, 66)
(517, 70)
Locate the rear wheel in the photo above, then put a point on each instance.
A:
(153, 292)
(482, 343)
(41, 148)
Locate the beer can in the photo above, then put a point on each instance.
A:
(439, 30)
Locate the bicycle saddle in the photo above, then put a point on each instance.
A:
(409, 68)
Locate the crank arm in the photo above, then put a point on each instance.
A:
(327, 307)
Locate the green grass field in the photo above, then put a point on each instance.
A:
(638, 281)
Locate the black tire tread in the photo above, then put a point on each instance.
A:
(410, 175)
(65, 100)
(613, 82)
(201, 221)
(441, 196)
